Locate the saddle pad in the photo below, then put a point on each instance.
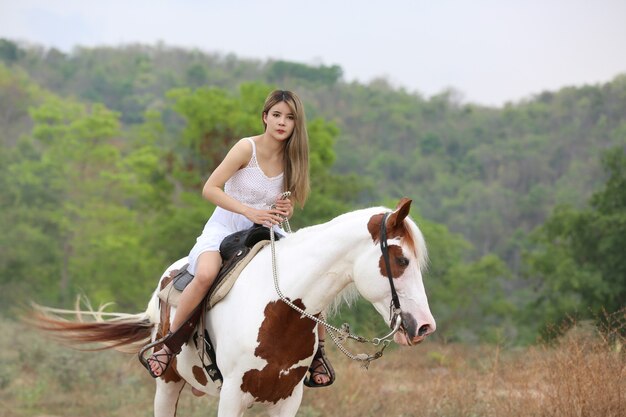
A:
(171, 295)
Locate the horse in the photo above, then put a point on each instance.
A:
(263, 347)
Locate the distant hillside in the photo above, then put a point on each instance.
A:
(491, 174)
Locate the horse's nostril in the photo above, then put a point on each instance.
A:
(423, 330)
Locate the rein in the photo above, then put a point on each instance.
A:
(344, 332)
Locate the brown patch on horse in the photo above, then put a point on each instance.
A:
(171, 374)
(285, 338)
(396, 228)
(164, 324)
(395, 222)
(199, 375)
(164, 308)
(393, 230)
(168, 279)
(397, 267)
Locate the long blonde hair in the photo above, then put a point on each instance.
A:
(296, 152)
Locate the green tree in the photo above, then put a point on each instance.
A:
(70, 206)
(214, 120)
(282, 71)
(468, 299)
(578, 266)
(9, 51)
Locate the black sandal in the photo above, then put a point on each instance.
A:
(168, 355)
(323, 367)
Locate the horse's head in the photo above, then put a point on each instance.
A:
(407, 260)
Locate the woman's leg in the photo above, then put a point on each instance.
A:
(208, 266)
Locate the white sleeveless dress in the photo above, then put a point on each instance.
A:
(249, 186)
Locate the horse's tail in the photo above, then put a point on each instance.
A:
(122, 332)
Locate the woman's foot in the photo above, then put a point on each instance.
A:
(318, 372)
(322, 373)
(160, 361)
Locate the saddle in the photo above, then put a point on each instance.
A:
(237, 250)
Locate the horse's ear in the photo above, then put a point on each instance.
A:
(402, 210)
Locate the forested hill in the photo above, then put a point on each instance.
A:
(491, 175)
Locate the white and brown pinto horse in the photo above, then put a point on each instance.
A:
(264, 347)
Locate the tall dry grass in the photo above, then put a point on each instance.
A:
(583, 373)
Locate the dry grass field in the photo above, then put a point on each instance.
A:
(581, 374)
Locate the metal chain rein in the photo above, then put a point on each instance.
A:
(343, 333)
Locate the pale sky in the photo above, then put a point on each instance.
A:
(491, 51)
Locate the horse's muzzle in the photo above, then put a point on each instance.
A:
(410, 334)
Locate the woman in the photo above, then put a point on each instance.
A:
(250, 180)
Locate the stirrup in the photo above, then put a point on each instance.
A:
(156, 356)
(323, 367)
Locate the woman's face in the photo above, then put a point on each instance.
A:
(280, 121)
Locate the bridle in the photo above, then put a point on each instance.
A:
(344, 332)
(395, 312)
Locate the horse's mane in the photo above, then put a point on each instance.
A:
(347, 296)
(418, 244)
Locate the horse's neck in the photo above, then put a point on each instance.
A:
(319, 261)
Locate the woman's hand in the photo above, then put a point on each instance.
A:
(285, 207)
(264, 217)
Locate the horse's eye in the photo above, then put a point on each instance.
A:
(402, 261)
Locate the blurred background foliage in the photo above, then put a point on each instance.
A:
(103, 152)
